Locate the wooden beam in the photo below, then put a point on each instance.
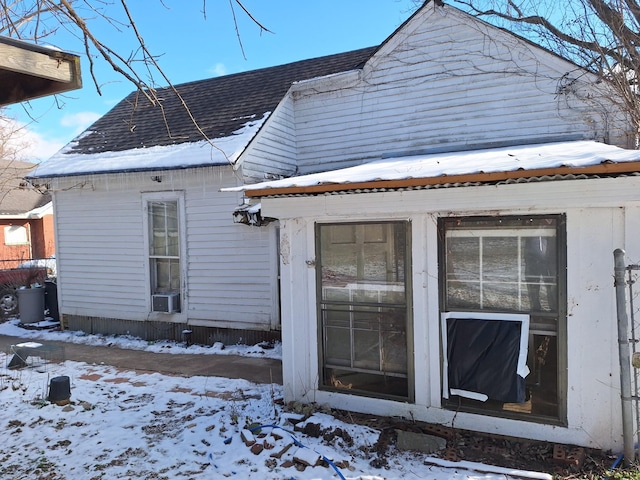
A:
(602, 168)
(30, 71)
(51, 67)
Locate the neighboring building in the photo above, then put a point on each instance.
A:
(29, 71)
(26, 217)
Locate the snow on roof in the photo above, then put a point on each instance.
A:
(504, 159)
(220, 151)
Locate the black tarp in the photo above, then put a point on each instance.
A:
(483, 356)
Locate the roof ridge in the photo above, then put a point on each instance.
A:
(304, 61)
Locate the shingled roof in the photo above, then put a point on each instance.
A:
(15, 198)
(220, 106)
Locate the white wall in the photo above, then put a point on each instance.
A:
(273, 151)
(446, 82)
(231, 272)
(597, 223)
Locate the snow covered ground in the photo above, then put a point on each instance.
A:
(123, 424)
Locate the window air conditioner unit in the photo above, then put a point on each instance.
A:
(165, 302)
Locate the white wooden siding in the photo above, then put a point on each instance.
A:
(447, 83)
(231, 280)
(230, 265)
(601, 216)
(273, 151)
(100, 252)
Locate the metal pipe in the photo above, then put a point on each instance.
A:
(625, 361)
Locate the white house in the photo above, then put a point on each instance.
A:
(447, 254)
(146, 242)
(444, 252)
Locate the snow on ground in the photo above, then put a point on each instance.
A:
(13, 329)
(123, 424)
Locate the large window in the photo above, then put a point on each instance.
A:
(164, 253)
(505, 265)
(364, 313)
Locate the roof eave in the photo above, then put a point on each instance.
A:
(34, 214)
(30, 178)
(607, 168)
(30, 71)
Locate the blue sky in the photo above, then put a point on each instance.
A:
(192, 47)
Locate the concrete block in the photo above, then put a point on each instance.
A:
(419, 442)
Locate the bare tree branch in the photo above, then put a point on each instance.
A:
(235, 23)
(36, 20)
(262, 27)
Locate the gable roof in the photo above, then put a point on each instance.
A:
(16, 200)
(135, 135)
(220, 105)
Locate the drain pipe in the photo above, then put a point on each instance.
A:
(625, 362)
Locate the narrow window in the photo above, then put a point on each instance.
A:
(504, 268)
(363, 272)
(164, 254)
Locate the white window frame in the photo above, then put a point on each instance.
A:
(174, 196)
(13, 231)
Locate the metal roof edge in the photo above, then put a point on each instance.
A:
(126, 170)
(606, 168)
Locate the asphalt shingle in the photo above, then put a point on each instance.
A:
(15, 196)
(219, 105)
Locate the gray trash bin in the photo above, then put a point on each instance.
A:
(31, 304)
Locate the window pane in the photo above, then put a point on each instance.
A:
(337, 337)
(164, 247)
(375, 233)
(363, 307)
(500, 259)
(171, 219)
(500, 273)
(157, 227)
(463, 258)
(366, 343)
(16, 235)
(501, 296)
(342, 234)
(463, 272)
(163, 225)
(539, 258)
(166, 275)
(463, 295)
